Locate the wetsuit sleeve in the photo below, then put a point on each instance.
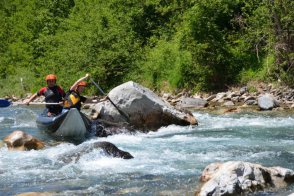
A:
(61, 91)
(41, 91)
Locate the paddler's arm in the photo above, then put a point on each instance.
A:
(74, 86)
(32, 98)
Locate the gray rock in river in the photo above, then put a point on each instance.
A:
(241, 178)
(267, 102)
(19, 140)
(145, 109)
(189, 102)
(108, 148)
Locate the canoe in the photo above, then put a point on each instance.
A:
(70, 123)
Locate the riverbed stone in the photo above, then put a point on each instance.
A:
(229, 103)
(211, 97)
(146, 111)
(249, 98)
(243, 90)
(219, 97)
(19, 140)
(188, 102)
(241, 178)
(108, 148)
(251, 102)
(267, 102)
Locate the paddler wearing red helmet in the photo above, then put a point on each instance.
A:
(73, 98)
(52, 93)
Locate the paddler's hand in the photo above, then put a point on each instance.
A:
(87, 76)
(61, 103)
(27, 102)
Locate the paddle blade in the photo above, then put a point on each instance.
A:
(4, 103)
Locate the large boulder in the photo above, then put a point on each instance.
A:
(241, 178)
(145, 110)
(19, 140)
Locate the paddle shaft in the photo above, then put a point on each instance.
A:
(34, 103)
(6, 103)
(118, 109)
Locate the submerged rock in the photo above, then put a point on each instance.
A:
(107, 147)
(146, 111)
(241, 178)
(19, 140)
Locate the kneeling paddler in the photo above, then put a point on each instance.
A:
(73, 98)
(52, 93)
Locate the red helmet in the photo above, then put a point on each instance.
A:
(82, 83)
(51, 77)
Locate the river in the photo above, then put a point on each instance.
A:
(167, 162)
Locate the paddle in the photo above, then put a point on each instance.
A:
(5, 103)
(118, 109)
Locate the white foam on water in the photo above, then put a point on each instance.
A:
(227, 121)
(171, 129)
(182, 138)
(25, 118)
(31, 124)
(122, 139)
(147, 158)
(101, 164)
(170, 151)
(265, 154)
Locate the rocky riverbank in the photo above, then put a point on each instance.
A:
(261, 97)
(236, 98)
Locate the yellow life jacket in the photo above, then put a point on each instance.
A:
(71, 100)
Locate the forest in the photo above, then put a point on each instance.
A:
(166, 45)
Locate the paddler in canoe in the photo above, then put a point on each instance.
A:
(71, 122)
(53, 93)
(73, 98)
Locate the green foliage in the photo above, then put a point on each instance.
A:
(252, 89)
(196, 44)
(165, 65)
(269, 33)
(206, 26)
(247, 75)
(101, 44)
(18, 82)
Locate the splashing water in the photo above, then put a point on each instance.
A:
(167, 162)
